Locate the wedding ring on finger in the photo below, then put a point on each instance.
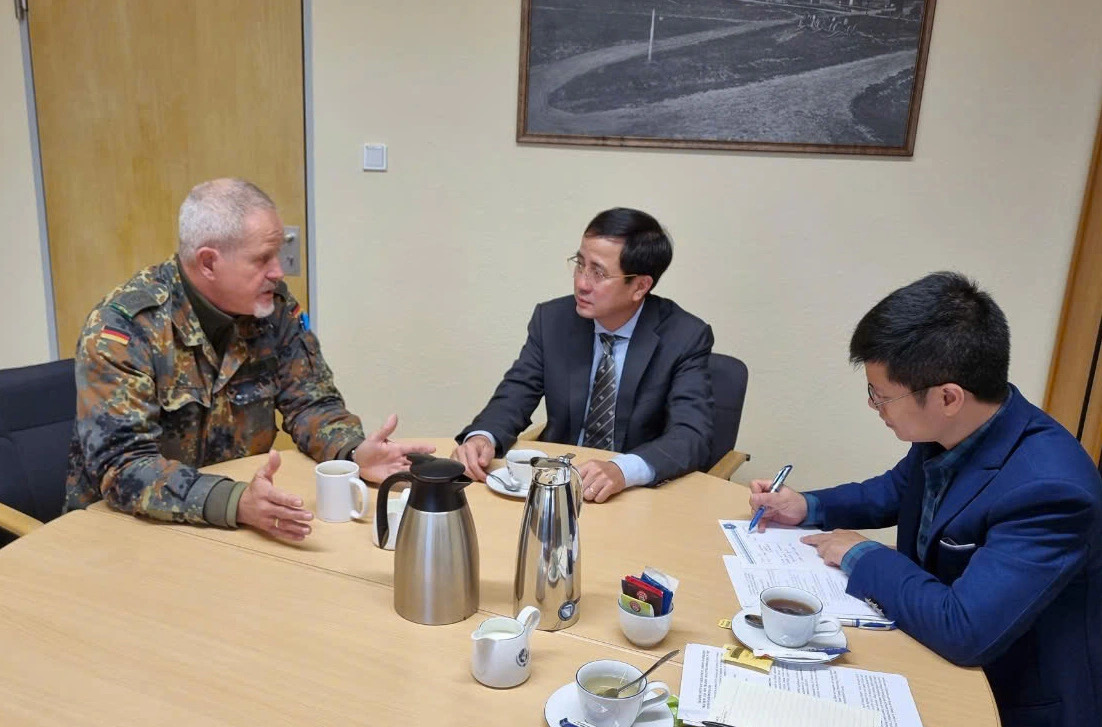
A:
(277, 523)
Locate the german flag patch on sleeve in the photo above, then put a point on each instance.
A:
(114, 334)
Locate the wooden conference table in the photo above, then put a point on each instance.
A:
(108, 619)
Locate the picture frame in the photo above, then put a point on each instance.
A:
(793, 76)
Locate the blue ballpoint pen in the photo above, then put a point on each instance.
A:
(859, 623)
(777, 482)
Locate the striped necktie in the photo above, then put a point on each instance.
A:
(601, 420)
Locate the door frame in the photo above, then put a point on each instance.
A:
(40, 192)
(308, 113)
(1074, 392)
(39, 188)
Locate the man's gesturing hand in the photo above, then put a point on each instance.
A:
(379, 458)
(270, 510)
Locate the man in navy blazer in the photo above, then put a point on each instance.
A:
(619, 367)
(999, 509)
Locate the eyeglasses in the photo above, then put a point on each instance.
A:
(595, 276)
(879, 404)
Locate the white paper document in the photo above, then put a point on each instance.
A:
(748, 704)
(779, 545)
(887, 694)
(778, 558)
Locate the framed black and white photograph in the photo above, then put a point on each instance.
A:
(834, 76)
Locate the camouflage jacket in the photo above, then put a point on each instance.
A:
(154, 403)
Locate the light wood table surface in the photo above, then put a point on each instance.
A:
(106, 622)
(673, 528)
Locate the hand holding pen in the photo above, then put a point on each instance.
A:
(773, 503)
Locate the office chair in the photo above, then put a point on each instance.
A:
(37, 409)
(729, 378)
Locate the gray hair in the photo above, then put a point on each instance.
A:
(213, 215)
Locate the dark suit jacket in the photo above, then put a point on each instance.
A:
(1012, 580)
(664, 407)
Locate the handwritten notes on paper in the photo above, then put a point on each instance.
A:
(778, 546)
(778, 558)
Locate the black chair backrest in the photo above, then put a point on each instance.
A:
(729, 377)
(37, 408)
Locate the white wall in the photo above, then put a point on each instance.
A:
(24, 338)
(428, 272)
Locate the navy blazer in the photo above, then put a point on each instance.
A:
(1012, 580)
(664, 407)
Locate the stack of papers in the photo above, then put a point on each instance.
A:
(888, 695)
(778, 558)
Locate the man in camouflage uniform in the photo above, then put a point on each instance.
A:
(185, 364)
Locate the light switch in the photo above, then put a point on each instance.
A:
(374, 157)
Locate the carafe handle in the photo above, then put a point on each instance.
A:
(382, 527)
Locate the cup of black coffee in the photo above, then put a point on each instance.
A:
(792, 616)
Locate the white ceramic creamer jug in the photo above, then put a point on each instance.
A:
(500, 655)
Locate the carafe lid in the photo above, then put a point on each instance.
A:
(435, 469)
(437, 483)
(552, 470)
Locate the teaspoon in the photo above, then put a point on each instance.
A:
(507, 485)
(614, 692)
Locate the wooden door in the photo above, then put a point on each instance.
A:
(139, 100)
(1074, 394)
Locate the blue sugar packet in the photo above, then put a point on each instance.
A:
(659, 581)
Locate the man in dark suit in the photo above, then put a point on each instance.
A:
(999, 509)
(620, 368)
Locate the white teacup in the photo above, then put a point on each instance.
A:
(520, 471)
(793, 616)
(395, 507)
(335, 481)
(619, 711)
(645, 631)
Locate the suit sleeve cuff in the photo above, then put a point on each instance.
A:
(814, 510)
(636, 470)
(481, 432)
(854, 554)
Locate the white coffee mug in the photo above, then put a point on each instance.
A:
(619, 711)
(792, 616)
(335, 481)
(395, 506)
(520, 471)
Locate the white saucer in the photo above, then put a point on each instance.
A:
(755, 638)
(564, 703)
(503, 473)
